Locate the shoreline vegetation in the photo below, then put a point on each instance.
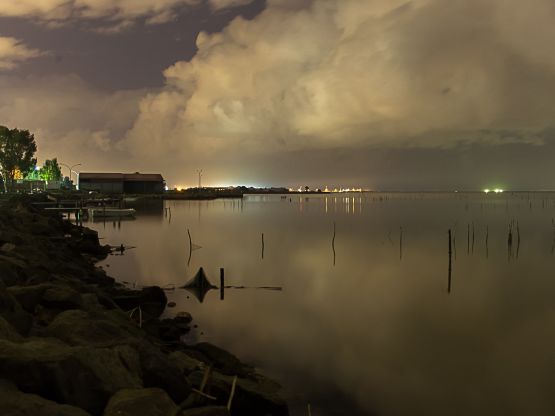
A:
(74, 342)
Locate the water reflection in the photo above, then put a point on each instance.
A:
(379, 331)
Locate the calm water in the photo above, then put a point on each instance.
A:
(378, 332)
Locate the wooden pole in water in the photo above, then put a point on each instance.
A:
(449, 270)
(473, 237)
(487, 238)
(400, 243)
(468, 239)
(333, 243)
(262, 246)
(222, 283)
(190, 247)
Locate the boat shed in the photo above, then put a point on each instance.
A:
(119, 183)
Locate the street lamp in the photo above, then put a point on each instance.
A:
(70, 168)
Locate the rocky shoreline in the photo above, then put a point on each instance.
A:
(73, 342)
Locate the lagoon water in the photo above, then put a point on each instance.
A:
(381, 331)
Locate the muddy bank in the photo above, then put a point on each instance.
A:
(74, 342)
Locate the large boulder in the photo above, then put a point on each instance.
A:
(152, 300)
(207, 411)
(29, 296)
(15, 403)
(10, 274)
(100, 328)
(60, 297)
(222, 360)
(12, 312)
(140, 402)
(185, 363)
(159, 371)
(8, 332)
(85, 377)
(256, 396)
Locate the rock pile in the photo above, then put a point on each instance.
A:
(69, 347)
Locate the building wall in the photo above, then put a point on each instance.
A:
(115, 187)
(137, 187)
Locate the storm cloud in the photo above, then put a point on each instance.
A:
(333, 76)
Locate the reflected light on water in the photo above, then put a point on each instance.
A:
(379, 331)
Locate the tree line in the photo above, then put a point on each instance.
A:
(17, 159)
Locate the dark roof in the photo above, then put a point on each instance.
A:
(130, 177)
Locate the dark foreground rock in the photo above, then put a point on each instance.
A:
(75, 343)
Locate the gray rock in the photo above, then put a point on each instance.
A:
(140, 402)
(12, 312)
(8, 332)
(60, 297)
(85, 377)
(29, 296)
(15, 403)
(254, 396)
(9, 274)
(222, 360)
(101, 328)
(7, 247)
(207, 411)
(160, 371)
(185, 363)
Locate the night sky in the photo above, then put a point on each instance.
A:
(381, 94)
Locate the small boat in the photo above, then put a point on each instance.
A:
(111, 212)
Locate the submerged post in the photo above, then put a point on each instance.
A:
(222, 283)
(262, 246)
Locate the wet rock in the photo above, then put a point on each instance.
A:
(85, 377)
(223, 361)
(63, 298)
(185, 363)
(152, 300)
(159, 371)
(10, 274)
(256, 396)
(207, 411)
(172, 304)
(140, 402)
(7, 247)
(12, 312)
(28, 296)
(172, 329)
(8, 332)
(15, 403)
(101, 329)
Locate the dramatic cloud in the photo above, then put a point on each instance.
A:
(71, 121)
(120, 12)
(13, 51)
(308, 79)
(358, 73)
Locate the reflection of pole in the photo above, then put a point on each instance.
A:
(199, 171)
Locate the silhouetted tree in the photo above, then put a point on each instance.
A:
(17, 148)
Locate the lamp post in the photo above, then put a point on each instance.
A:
(199, 171)
(70, 168)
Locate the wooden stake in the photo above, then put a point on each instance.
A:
(232, 393)
(222, 283)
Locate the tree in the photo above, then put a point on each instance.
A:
(17, 148)
(51, 171)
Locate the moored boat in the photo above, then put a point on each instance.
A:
(111, 212)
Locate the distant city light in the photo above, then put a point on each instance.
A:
(487, 191)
